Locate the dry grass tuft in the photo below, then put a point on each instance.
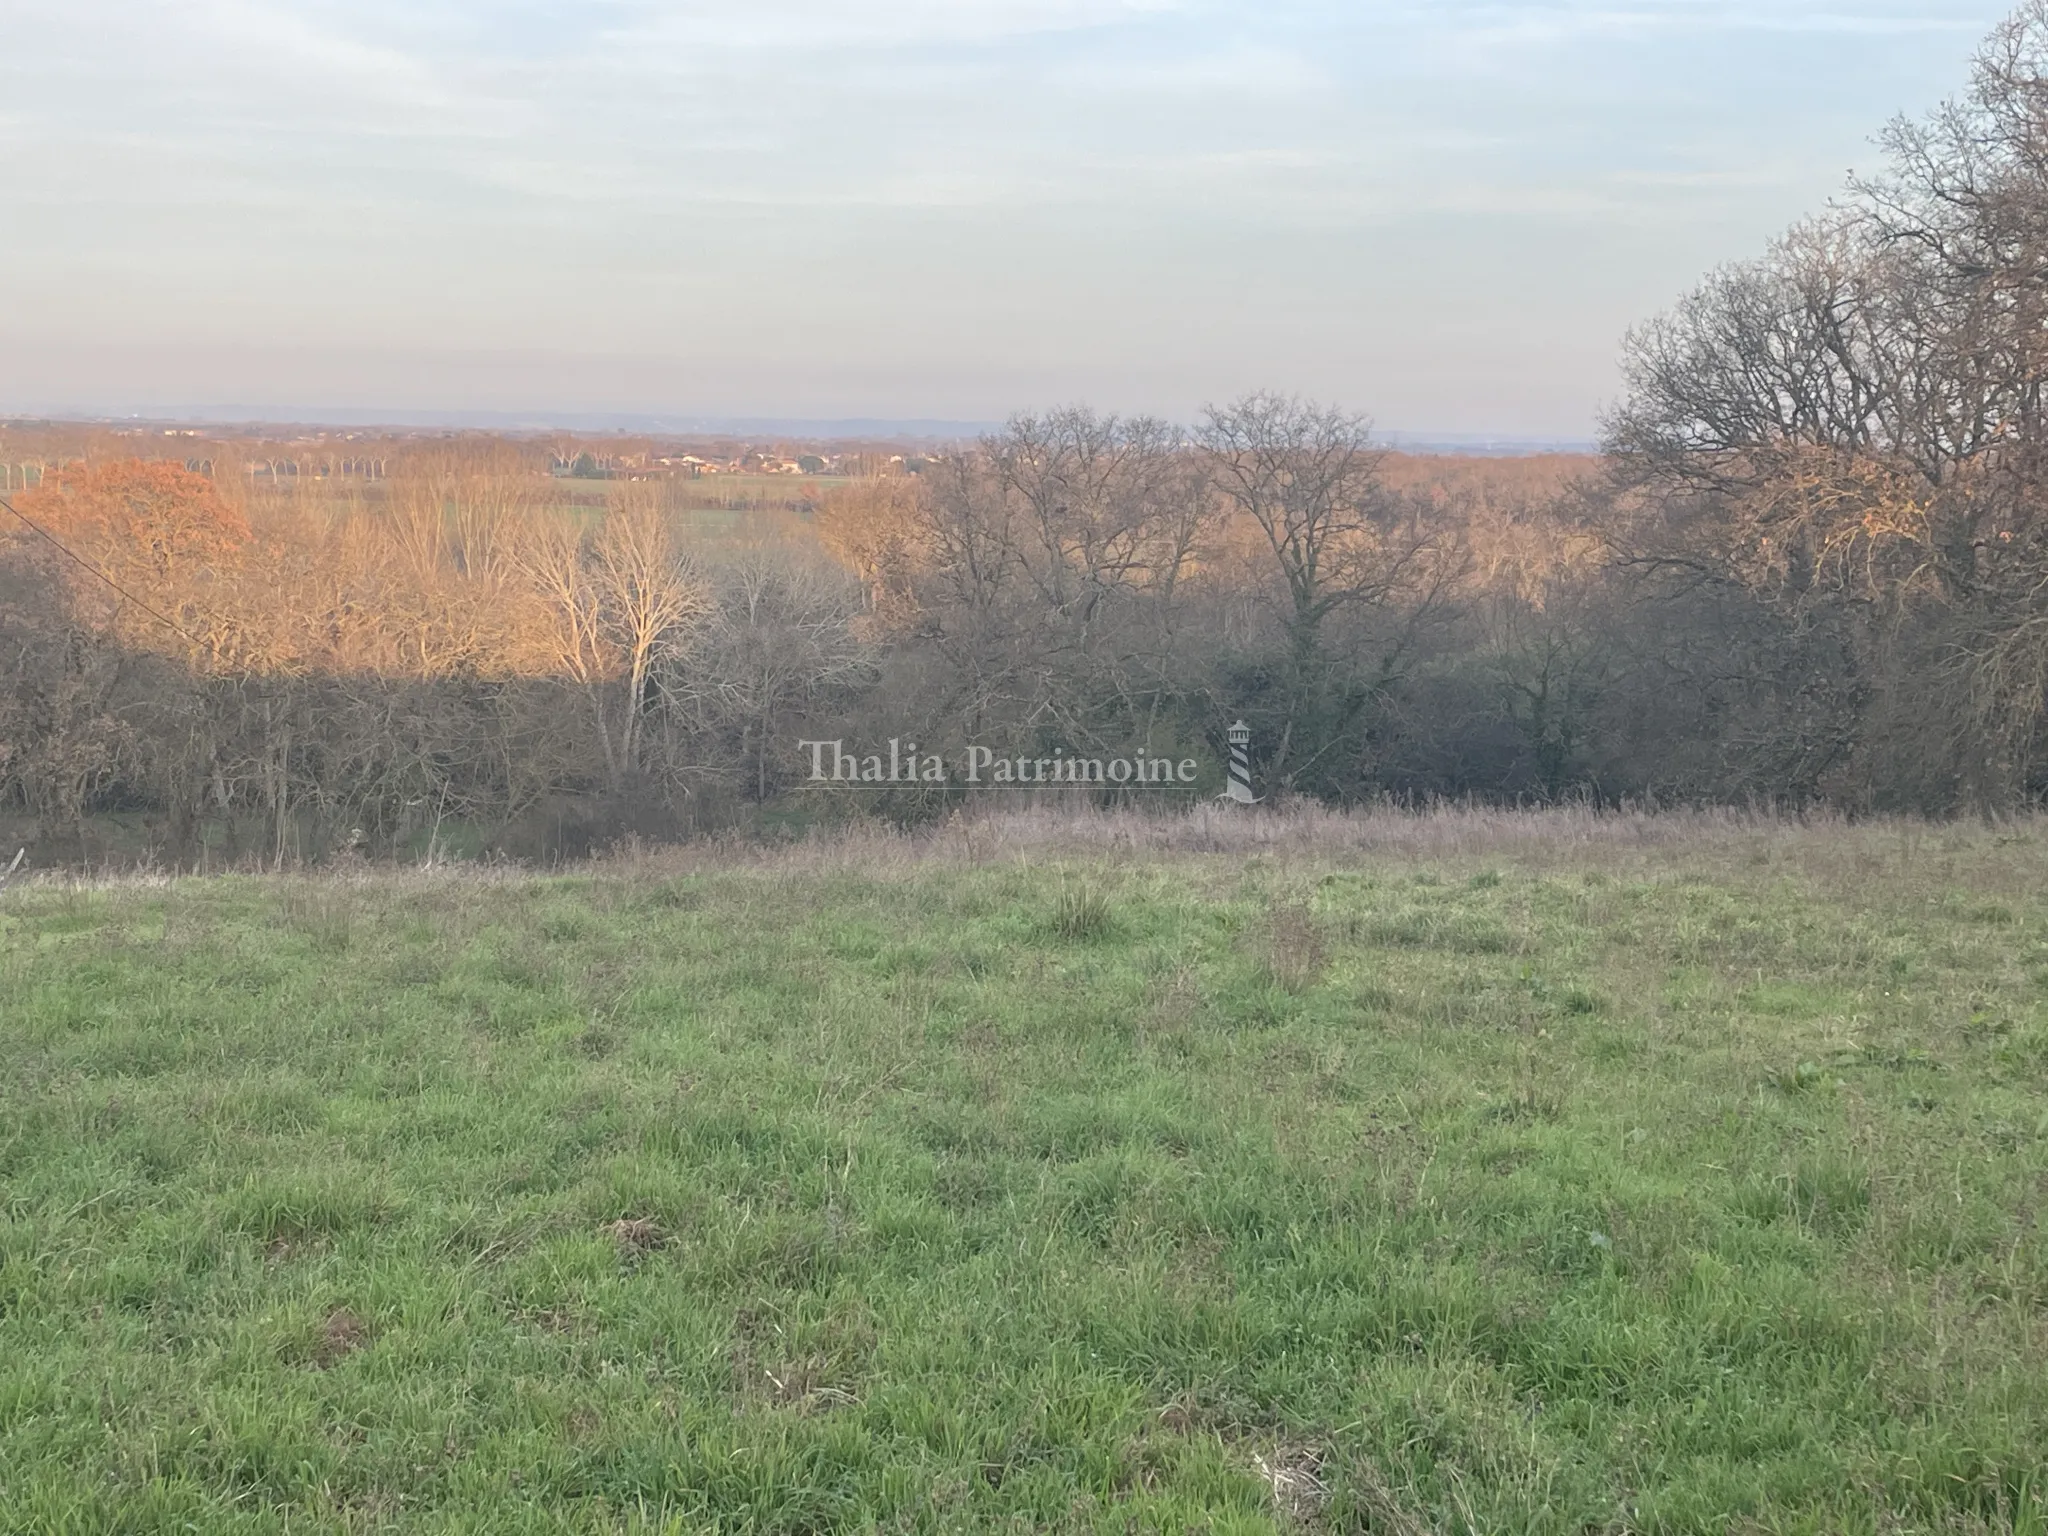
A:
(1295, 1474)
(803, 1384)
(1291, 948)
(1384, 1511)
(635, 1235)
(1173, 1001)
(323, 910)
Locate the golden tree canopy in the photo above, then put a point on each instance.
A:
(160, 514)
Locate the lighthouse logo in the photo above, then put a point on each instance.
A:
(1239, 788)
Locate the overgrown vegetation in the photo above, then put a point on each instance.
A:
(1473, 1173)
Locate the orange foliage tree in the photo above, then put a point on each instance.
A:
(154, 530)
(161, 516)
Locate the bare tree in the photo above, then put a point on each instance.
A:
(1306, 477)
(777, 645)
(647, 600)
(1856, 422)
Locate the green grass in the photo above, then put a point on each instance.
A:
(1593, 1192)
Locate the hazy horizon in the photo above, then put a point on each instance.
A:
(1444, 216)
(231, 421)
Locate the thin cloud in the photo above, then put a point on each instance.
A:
(1238, 71)
(319, 57)
(423, 172)
(809, 25)
(1495, 25)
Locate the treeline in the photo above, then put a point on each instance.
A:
(456, 656)
(281, 671)
(1812, 566)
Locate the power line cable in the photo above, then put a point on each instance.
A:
(86, 565)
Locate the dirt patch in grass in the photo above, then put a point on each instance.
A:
(341, 1335)
(809, 1368)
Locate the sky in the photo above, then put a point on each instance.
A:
(1444, 215)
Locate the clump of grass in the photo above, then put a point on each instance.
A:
(1426, 928)
(1292, 952)
(674, 896)
(1174, 999)
(1082, 914)
(1806, 1077)
(1828, 1194)
(78, 908)
(323, 911)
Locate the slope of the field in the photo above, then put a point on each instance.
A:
(1466, 1175)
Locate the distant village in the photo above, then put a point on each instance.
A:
(653, 464)
(370, 455)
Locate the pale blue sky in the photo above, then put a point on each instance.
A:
(1442, 214)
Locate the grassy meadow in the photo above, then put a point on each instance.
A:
(1459, 1173)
